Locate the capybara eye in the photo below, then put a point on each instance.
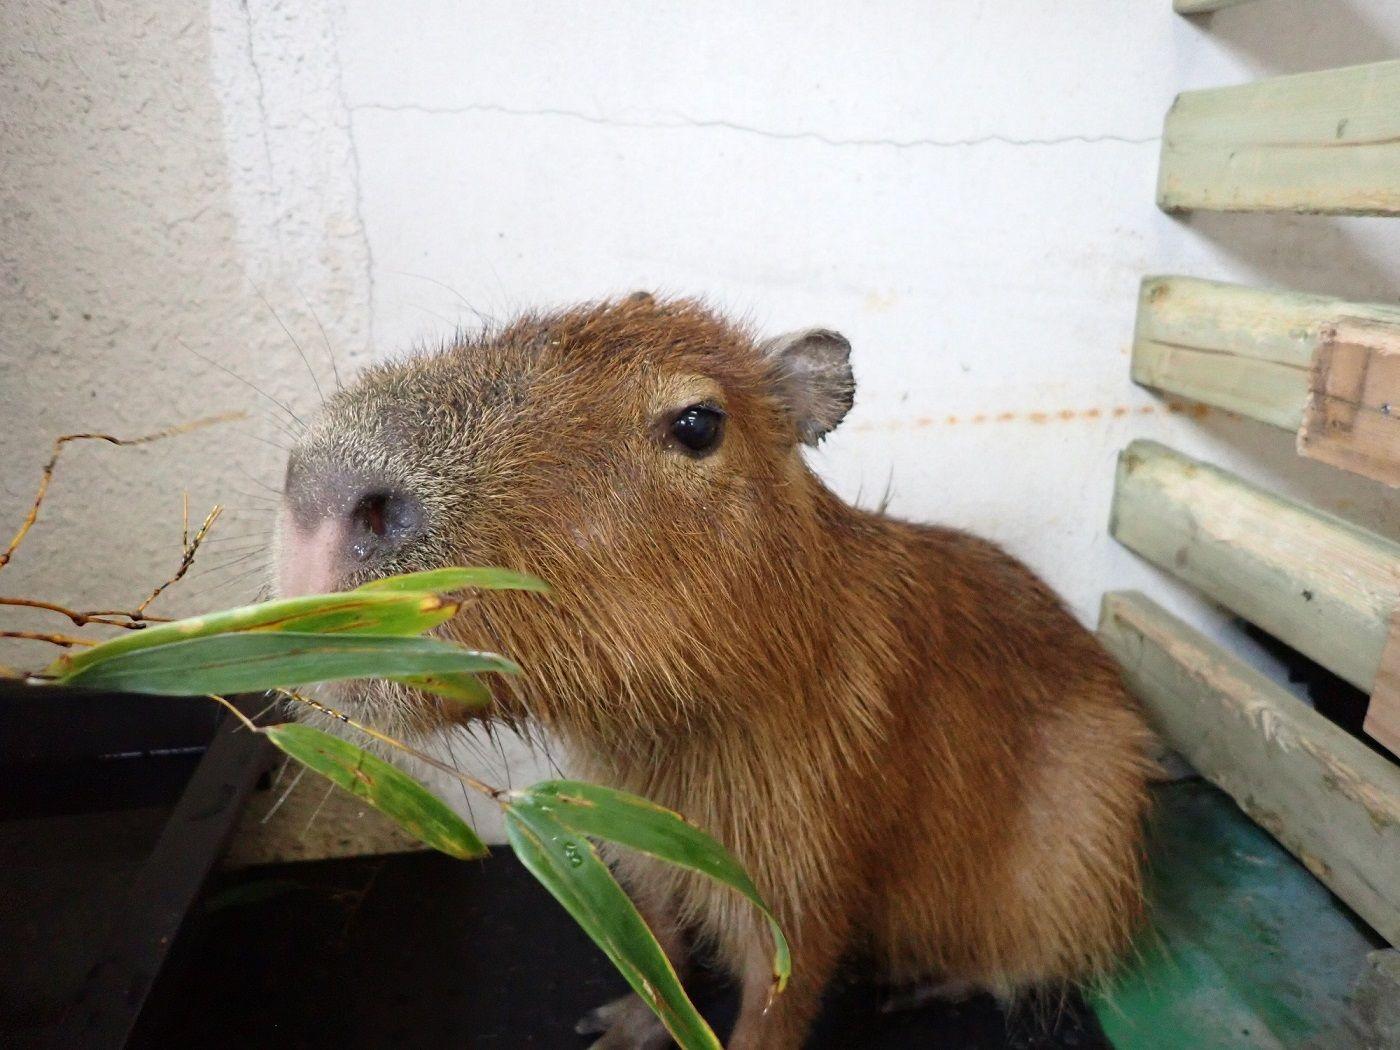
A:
(699, 429)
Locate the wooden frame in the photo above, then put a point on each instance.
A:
(1325, 368)
(1333, 802)
(1352, 417)
(1320, 584)
(1313, 142)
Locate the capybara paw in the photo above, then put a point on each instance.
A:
(624, 1024)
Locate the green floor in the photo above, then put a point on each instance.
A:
(1246, 950)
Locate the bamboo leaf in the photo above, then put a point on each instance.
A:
(253, 660)
(389, 790)
(445, 581)
(568, 865)
(467, 688)
(354, 612)
(616, 816)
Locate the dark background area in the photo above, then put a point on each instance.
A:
(419, 950)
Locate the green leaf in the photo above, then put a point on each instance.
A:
(467, 688)
(349, 613)
(444, 581)
(254, 660)
(389, 790)
(568, 865)
(616, 816)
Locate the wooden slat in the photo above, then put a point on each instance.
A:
(1320, 584)
(1333, 802)
(143, 932)
(1246, 350)
(1199, 7)
(1326, 368)
(1383, 712)
(1352, 419)
(1314, 142)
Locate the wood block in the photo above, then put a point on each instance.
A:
(1383, 713)
(1327, 797)
(1352, 416)
(1320, 584)
(1324, 142)
(1246, 350)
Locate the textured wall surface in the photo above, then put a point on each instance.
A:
(965, 189)
(151, 198)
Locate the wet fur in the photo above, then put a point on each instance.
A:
(916, 750)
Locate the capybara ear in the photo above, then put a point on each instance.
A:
(812, 372)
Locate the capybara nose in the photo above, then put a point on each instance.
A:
(381, 521)
(337, 521)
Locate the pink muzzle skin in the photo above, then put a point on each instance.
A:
(309, 560)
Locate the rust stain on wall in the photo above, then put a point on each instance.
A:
(1040, 417)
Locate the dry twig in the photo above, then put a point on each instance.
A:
(58, 446)
(130, 619)
(65, 640)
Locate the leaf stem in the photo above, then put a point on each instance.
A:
(498, 795)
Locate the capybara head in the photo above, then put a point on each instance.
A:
(641, 456)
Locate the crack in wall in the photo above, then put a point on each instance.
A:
(260, 95)
(749, 129)
(356, 177)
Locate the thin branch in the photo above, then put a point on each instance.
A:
(132, 620)
(64, 640)
(472, 782)
(191, 548)
(80, 619)
(58, 445)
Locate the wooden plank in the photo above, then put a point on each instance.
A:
(1318, 583)
(1352, 419)
(1200, 7)
(1383, 712)
(142, 932)
(1330, 800)
(1246, 350)
(1313, 142)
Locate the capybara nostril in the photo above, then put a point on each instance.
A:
(337, 520)
(382, 522)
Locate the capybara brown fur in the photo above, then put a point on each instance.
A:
(920, 755)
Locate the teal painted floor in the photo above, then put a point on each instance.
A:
(1246, 948)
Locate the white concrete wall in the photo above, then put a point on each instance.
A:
(963, 188)
(157, 193)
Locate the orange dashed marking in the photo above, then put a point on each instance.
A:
(1041, 417)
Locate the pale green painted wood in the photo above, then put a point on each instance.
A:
(1322, 585)
(1314, 142)
(1246, 350)
(1328, 798)
(1243, 950)
(1198, 7)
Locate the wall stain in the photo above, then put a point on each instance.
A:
(1041, 417)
